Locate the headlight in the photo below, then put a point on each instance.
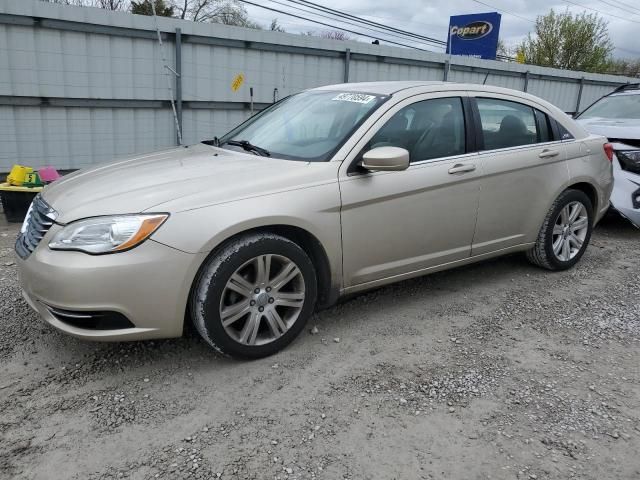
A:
(107, 234)
(629, 160)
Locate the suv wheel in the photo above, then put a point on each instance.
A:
(254, 296)
(565, 233)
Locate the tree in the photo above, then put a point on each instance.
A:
(228, 12)
(143, 7)
(275, 26)
(567, 41)
(111, 4)
(106, 4)
(630, 68)
(231, 13)
(334, 35)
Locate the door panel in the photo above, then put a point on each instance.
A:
(517, 187)
(520, 176)
(396, 223)
(399, 222)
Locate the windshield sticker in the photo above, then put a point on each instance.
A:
(354, 97)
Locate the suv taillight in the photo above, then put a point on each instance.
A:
(608, 150)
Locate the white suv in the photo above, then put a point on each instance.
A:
(617, 117)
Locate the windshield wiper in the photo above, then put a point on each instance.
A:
(248, 146)
(215, 142)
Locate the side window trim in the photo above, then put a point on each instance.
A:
(441, 159)
(477, 124)
(540, 118)
(470, 125)
(555, 129)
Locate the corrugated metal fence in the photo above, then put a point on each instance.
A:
(83, 85)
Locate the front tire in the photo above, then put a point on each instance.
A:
(565, 232)
(254, 296)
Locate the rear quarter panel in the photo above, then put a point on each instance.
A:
(588, 163)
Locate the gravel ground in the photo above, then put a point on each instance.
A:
(498, 370)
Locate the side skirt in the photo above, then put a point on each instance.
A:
(437, 268)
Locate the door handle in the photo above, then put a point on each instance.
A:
(461, 168)
(549, 153)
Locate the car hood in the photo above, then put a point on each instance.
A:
(612, 128)
(171, 180)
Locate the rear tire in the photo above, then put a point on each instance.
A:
(254, 296)
(565, 232)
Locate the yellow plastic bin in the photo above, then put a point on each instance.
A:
(16, 201)
(18, 174)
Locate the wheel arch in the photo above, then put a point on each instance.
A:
(590, 191)
(327, 292)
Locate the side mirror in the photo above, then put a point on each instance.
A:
(385, 159)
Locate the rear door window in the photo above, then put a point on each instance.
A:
(506, 124)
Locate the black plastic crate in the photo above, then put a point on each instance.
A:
(16, 204)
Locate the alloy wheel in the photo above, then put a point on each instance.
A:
(262, 299)
(570, 231)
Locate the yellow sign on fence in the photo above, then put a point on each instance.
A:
(237, 82)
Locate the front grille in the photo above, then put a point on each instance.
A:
(37, 223)
(92, 320)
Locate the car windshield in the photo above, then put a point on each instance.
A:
(310, 126)
(615, 106)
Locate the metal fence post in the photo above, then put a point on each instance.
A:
(347, 60)
(179, 81)
(579, 94)
(526, 81)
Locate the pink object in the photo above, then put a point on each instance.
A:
(48, 174)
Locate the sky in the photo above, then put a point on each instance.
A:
(431, 18)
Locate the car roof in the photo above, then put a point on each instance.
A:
(394, 87)
(380, 88)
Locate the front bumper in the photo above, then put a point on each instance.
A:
(626, 193)
(149, 285)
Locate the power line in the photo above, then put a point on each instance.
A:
(403, 37)
(599, 11)
(367, 16)
(333, 11)
(504, 11)
(314, 6)
(342, 14)
(625, 4)
(330, 26)
(619, 8)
